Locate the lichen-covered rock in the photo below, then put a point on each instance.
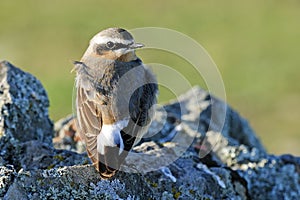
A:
(66, 135)
(193, 150)
(24, 106)
(82, 182)
(267, 176)
(185, 157)
(6, 178)
(275, 180)
(23, 110)
(35, 155)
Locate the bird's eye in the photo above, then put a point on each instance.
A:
(110, 45)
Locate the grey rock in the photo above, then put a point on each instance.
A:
(233, 165)
(24, 106)
(82, 182)
(35, 155)
(267, 176)
(196, 148)
(66, 135)
(23, 111)
(276, 179)
(6, 178)
(16, 191)
(204, 113)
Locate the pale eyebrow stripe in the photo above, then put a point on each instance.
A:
(103, 40)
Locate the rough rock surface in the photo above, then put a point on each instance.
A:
(23, 112)
(193, 150)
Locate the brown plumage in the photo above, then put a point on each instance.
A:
(115, 98)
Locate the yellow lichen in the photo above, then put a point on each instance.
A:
(154, 185)
(51, 166)
(59, 157)
(176, 194)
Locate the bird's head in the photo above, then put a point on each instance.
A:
(114, 44)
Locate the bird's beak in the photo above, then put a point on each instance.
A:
(136, 45)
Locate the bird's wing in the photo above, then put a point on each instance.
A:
(89, 122)
(140, 110)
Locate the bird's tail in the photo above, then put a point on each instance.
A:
(109, 163)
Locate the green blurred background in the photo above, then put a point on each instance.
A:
(255, 44)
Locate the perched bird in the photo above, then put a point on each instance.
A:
(115, 98)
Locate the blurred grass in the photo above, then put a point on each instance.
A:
(255, 44)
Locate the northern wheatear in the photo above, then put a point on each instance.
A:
(115, 98)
